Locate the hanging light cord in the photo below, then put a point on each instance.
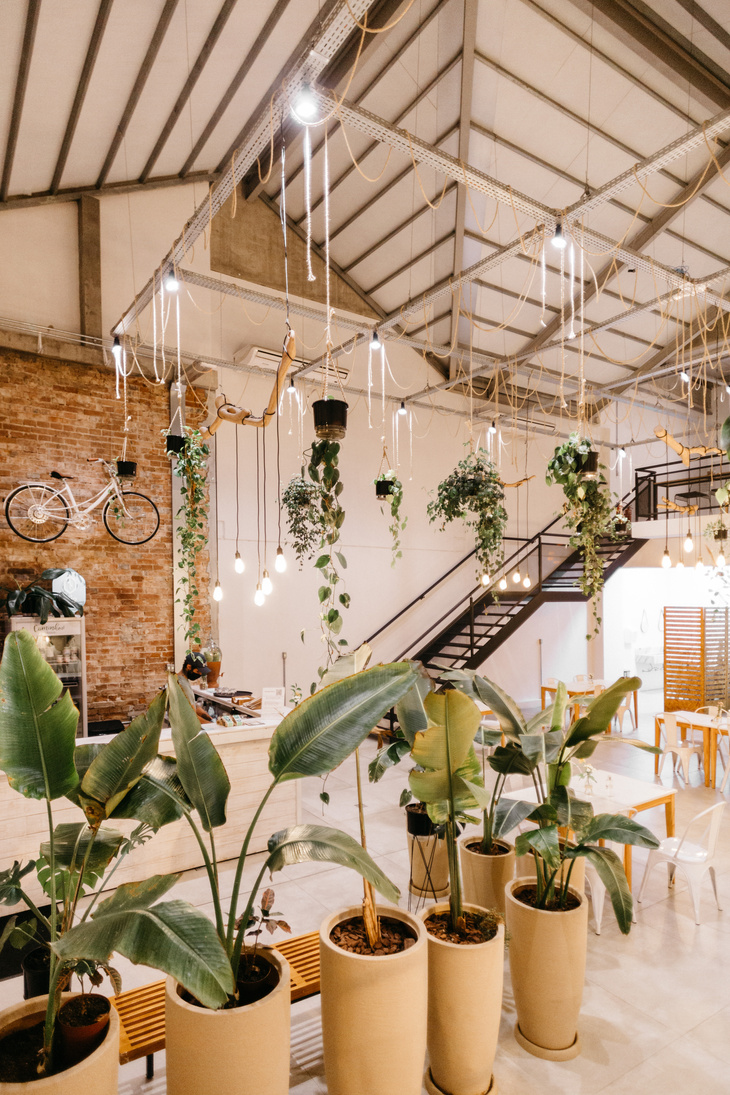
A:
(263, 446)
(237, 506)
(258, 510)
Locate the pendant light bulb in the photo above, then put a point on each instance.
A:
(259, 596)
(688, 543)
(305, 104)
(375, 343)
(559, 239)
(402, 408)
(684, 376)
(502, 582)
(720, 561)
(527, 581)
(117, 350)
(493, 427)
(680, 565)
(239, 564)
(666, 561)
(291, 389)
(280, 561)
(266, 583)
(517, 577)
(699, 565)
(171, 283)
(217, 591)
(484, 579)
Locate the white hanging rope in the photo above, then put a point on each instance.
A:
(308, 197)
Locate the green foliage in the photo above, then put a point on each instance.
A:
(474, 493)
(35, 600)
(303, 516)
(324, 474)
(394, 501)
(588, 509)
(192, 468)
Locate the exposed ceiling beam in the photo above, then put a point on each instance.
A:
(193, 76)
(102, 17)
(26, 53)
(448, 237)
(138, 87)
(383, 240)
(261, 39)
(704, 19)
(309, 58)
(128, 186)
(655, 38)
(466, 94)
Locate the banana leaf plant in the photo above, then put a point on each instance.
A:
(312, 740)
(39, 755)
(542, 748)
(35, 600)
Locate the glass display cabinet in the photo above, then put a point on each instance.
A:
(62, 642)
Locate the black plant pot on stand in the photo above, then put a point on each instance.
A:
(330, 419)
(36, 972)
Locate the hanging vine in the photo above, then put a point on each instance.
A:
(323, 471)
(474, 492)
(393, 496)
(192, 469)
(303, 516)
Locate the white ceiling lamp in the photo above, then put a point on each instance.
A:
(688, 541)
(305, 104)
(558, 239)
(217, 591)
(239, 565)
(666, 561)
(720, 561)
(375, 343)
(527, 581)
(170, 281)
(280, 561)
(516, 576)
(117, 351)
(402, 408)
(259, 596)
(266, 584)
(484, 579)
(503, 583)
(493, 427)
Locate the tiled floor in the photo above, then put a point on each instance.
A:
(656, 1009)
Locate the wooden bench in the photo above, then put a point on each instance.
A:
(142, 1011)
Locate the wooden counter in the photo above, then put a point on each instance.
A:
(245, 753)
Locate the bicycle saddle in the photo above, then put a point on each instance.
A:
(58, 475)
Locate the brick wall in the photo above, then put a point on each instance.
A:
(53, 415)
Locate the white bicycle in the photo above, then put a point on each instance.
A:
(41, 513)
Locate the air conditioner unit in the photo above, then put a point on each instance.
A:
(269, 359)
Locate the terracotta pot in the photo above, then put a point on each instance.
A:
(357, 987)
(464, 1009)
(429, 862)
(98, 1074)
(547, 958)
(485, 876)
(240, 1051)
(78, 1041)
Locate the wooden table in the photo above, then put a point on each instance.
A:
(622, 795)
(583, 688)
(710, 726)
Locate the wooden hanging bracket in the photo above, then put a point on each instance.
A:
(684, 452)
(228, 412)
(666, 504)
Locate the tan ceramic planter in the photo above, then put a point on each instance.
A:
(98, 1074)
(547, 958)
(429, 862)
(360, 990)
(464, 1008)
(240, 1051)
(485, 876)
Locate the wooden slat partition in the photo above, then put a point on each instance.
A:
(695, 658)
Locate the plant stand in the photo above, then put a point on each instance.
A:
(429, 877)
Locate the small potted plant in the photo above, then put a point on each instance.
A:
(388, 486)
(474, 493)
(126, 469)
(35, 600)
(330, 418)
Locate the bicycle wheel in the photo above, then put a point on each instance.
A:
(36, 513)
(134, 522)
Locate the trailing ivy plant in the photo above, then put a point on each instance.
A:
(474, 492)
(303, 516)
(192, 469)
(588, 510)
(394, 500)
(323, 471)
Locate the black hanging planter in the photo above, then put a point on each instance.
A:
(720, 534)
(126, 469)
(589, 467)
(384, 488)
(330, 419)
(174, 444)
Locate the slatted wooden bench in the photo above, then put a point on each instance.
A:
(142, 1011)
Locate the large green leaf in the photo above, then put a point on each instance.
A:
(137, 895)
(157, 798)
(601, 710)
(572, 813)
(510, 717)
(433, 788)
(386, 758)
(541, 721)
(543, 841)
(508, 814)
(310, 843)
(322, 731)
(173, 937)
(725, 434)
(347, 664)
(509, 758)
(10, 883)
(71, 841)
(37, 722)
(199, 766)
(611, 873)
(560, 702)
(410, 711)
(619, 828)
(433, 745)
(118, 766)
(541, 748)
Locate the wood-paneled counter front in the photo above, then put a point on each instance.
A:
(244, 751)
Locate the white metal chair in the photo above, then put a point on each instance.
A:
(673, 743)
(694, 859)
(626, 708)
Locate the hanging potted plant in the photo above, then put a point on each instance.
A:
(388, 486)
(42, 761)
(588, 508)
(192, 469)
(330, 418)
(474, 493)
(324, 472)
(303, 516)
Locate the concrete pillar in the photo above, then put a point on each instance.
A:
(89, 222)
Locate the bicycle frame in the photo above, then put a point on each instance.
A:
(79, 510)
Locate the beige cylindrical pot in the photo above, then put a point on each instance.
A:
(547, 959)
(464, 1008)
(429, 862)
(98, 1073)
(239, 1051)
(356, 988)
(485, 876)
